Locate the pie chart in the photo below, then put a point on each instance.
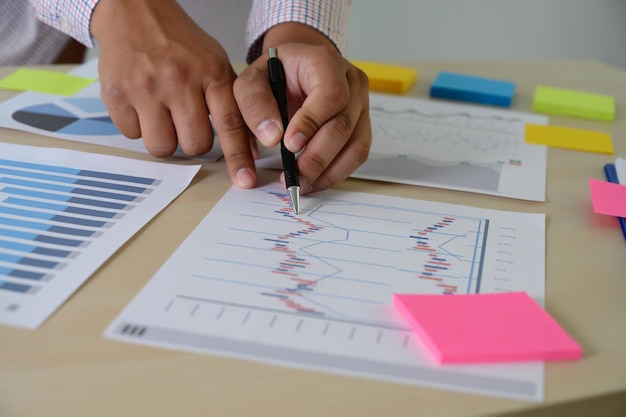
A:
(86, 116)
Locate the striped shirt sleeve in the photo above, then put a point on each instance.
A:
(327, 16)
(70, 16)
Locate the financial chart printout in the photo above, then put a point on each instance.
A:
(63, 213)
(451, 146)
(455, 146)
(314, 290)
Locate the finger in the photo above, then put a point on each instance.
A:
(328, 92)
(233, 135)
(326, 145)
(332, 137)
(158, 131)
(254, 146)
(352, 156)
(190, 116)
(120, 110)
(257, 104)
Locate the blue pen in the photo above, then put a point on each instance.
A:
(611, 176)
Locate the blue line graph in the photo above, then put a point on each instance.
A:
(338, 259)
(50, 214)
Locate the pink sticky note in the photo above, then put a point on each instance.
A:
(608, 198)
(506, 327)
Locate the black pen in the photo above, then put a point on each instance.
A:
(279, 88)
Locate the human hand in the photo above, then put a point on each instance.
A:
(161, 76)
(328, 100)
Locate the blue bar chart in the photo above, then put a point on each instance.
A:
(60, 219)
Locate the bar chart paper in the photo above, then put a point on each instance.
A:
(63, 213)
(314, 290)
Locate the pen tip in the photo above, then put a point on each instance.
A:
(294, 196)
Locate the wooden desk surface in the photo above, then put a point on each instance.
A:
(66, 368)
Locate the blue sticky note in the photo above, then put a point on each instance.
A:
(474, 89)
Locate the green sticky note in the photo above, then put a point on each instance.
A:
(43, 81)
(574, 103)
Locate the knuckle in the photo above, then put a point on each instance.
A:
(219, 68)
(173, 74)
(218, 76)
(249, 101)
(246, 79)
(337, 93)
(361, 78)
(237, 155)
(161, 151)
(341, 126)
(239, 87)
(361, 152)
(326, 180)
(312, 123)
(316, 162)
(230, 123)
(145, 82)
(197, 148)
(112, 93)
(130, 132)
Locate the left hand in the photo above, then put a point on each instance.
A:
(328, 104)
(162, 76)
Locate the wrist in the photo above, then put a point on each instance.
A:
(291, 32)
(136, 20)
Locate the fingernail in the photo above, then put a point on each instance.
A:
(269, 132)
(245, 178)
(297, 142)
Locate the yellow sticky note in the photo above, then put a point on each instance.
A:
(569, 138)
(43, 81)
(388, 78)
(573, 103)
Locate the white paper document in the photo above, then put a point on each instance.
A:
(82, 117)
(63, 213)
(314, 290)
(620, 168)
(451, 146)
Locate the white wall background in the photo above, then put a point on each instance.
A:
(413, 30)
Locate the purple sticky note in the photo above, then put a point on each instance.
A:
(478, 328)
